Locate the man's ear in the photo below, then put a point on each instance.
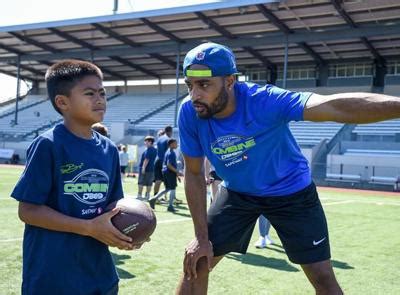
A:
(230, 80)
(61, 102)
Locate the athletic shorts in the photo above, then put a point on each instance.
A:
(170, 181)
(298, 219)
(146, 179)
(158, 175)
(123, 168)
(214, 176)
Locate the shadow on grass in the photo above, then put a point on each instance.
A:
(119, 260)
(260, 260)
(341, 265)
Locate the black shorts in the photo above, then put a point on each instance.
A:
(123, 168)
(158, 170)
(170, 180)
(298, 219)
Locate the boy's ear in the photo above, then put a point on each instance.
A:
(61, 102)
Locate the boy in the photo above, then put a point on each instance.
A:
(146, 167)
(123, 160)
(170, 175)
(71, 175)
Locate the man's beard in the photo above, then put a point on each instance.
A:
(217, 106)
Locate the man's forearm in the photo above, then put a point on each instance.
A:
(355, 108)
(195, 189)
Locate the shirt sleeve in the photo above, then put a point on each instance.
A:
(285, 105)
(116, 191)
(188, 135)
(35, 183)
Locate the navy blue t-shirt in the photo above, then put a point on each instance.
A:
(169, 159)
(252, 150)
(162, 146)
(149, 153)
(78, 178)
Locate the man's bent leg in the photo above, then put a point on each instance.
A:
(321, 276)
(199, 285)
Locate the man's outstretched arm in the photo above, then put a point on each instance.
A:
(357, 107)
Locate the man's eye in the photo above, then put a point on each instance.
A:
(204, 85)
(89, 93)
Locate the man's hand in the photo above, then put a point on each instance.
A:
(194, 251)
(103, 230)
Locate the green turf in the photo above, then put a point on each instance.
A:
(364, 233)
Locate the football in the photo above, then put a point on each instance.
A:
(135, 219)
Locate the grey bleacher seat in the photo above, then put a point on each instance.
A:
(390, 127)
(29, 119)
(312, 133)
(130, 107)
(27, 101)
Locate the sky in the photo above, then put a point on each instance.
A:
(16, 12)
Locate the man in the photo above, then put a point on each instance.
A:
(162, 147)
(146, 167)
(242, 129)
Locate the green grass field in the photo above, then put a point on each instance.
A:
(364, 233)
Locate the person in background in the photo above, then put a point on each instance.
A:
(263, 228)
(212, 178)
(123, 160)
(170, 176)
(100, 128)
(162, 146)
(146, 167)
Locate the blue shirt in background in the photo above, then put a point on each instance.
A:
(252, 150)
(169, 159)
(149, 153)
(78, 178)
(162, 146)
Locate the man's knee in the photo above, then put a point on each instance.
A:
(322, 277)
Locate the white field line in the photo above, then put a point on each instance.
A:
(159, 222)
(338, 202)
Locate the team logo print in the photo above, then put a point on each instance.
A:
(69, 168)
(200, 55)
(89, 187)
(231, 147)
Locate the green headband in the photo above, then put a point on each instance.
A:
(198, 73)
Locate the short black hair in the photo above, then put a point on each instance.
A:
(100, 128)
(171, 141)
(168, 129)
(64, 75)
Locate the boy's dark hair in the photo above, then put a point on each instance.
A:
(100, 128)
(168, 129)
(64, 75)
(171, 141)
(149, 138)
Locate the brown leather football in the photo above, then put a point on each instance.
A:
(135, 219)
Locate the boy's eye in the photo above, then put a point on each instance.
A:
(204, 85)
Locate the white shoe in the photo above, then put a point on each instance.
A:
(268, 240)
(261, 243)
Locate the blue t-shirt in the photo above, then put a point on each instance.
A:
(252, 150)
(162, 146)
(169, 159)
(78, 178)
(149, 153)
